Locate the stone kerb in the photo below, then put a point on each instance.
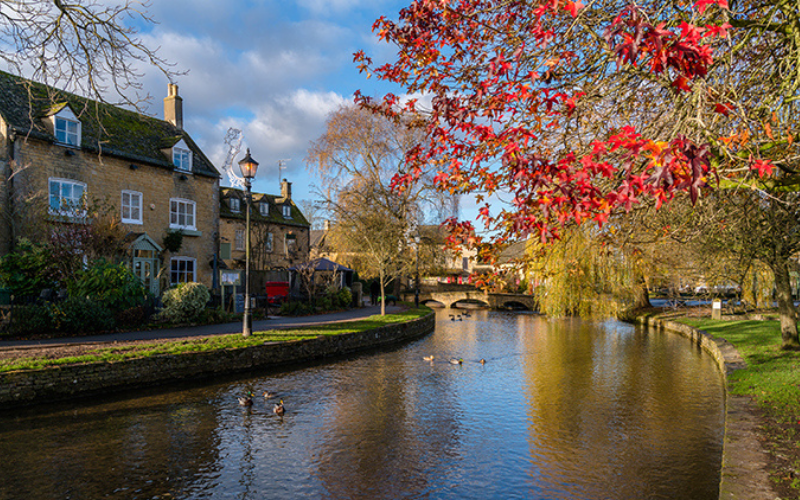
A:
(743, 475)
(58, 383)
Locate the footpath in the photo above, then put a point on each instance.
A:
(273, 323)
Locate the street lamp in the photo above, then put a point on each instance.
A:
(249, 167)
(416, 288)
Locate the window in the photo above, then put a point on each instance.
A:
(181, 214)
(263, 209)
(289, 243)
(239, 239)
(234, 204)
(268, 243)
(182, 157)
(287, 211)
(131, 207)
(182, 270)
(68, 131)
(66, 197)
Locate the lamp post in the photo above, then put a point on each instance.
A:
(416, 288)
(248, 167)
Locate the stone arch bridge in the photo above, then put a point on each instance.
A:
(492, 300)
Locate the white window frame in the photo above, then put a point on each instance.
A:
(238, 240)
(263, 209)
(70, 133)
(173, 272)
(269, 243)
(235, 204)
(175, 215)
(287, 211)
(132, 208)
(182, 157)
(77, 202)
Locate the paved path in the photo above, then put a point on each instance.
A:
(203, 331)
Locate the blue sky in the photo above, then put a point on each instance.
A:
(273, 69)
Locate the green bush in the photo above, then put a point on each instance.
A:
(32, 319)
(79, 315)
(134, 316)
(111, 284)
(295, 309)
(28, 270)
(184, 302)
(345, 298)
(216, 315)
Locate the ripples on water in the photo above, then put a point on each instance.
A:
(561, 410)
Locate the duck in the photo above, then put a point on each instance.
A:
(429, 358)
(246, 400)
(454, 361)
(466, 314)
(268, 395)
(455, 318)
(278, 409)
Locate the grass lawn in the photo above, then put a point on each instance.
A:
(104, 353)
(772, 379)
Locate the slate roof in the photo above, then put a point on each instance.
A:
(321, 264)
(275, 211)
(124, 134)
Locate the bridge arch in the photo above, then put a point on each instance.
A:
(463, 302)
(514, 305)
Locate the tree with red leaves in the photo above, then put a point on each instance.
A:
(581, 111)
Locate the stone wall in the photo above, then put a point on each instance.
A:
(29, 387)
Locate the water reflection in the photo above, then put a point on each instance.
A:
(562, 409)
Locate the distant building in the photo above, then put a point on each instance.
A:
(279, 232)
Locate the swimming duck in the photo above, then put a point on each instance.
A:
(454, 361)
(246, 400)
(466, 314)
(428, 358)
(278, 409)
(268, 395)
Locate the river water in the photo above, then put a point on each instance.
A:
(561, 410)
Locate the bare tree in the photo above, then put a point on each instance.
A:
(86, 46)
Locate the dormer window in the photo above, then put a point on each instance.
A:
(234, 204)
(287, 211)
(182, 157)
(67, 128)
(263, 209)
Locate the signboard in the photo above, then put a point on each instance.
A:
(238, 303)
(230, 277)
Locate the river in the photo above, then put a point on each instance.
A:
(561, 409)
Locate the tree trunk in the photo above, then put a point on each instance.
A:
(788, 313)
(641, 294)
(383, 293)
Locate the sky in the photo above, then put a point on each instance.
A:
(272, 69)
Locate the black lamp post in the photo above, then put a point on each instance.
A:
(249, 167)
(416, 288)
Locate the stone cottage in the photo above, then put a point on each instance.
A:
(63, 149)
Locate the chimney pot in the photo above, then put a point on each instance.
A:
(286, 189)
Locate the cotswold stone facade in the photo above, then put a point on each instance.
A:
(59, 150)
(279, 233)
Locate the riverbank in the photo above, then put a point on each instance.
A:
(761, 458)
(29, 374)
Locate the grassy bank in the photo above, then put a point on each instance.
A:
(772, 380)
(116, 352)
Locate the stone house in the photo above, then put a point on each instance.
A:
(279, 232)
(63, 149)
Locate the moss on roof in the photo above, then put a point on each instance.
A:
(104, 128)
(275, 213)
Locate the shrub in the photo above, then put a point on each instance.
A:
(345, 298)
(79, 315)
(295, 309)
(216, 315)
(134, 316)
(28, 270)
(32, 319)
(184, 302)
(112, 284)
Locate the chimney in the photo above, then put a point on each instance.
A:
(173, 106)
(286, 190)
(326, 225)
